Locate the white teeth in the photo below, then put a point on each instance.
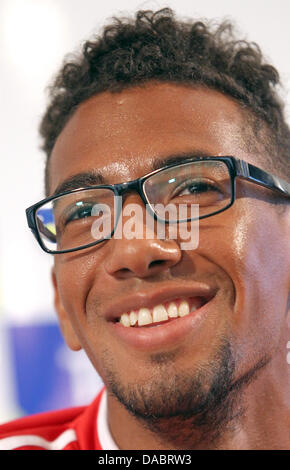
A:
(172, 310)
(183, 308)
(125, 320)
(133, 318)
(159, 313)
(144, 317)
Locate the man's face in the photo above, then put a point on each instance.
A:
(240, 268)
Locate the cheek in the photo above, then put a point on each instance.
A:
(252, 250)
(76, 273)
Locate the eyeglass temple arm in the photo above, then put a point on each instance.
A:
(256, 175)
(30, 220)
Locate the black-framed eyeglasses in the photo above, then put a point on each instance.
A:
(81, 218)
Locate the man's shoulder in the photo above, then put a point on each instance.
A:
(50, 430)
(67, 429)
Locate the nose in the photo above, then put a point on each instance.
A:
(141, 257)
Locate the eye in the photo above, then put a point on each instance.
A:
(78, 213)
(195, 187)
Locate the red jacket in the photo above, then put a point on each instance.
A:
(70, 429)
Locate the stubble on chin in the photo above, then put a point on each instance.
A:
(186, 409)
(180, 407)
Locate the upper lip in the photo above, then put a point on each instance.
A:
(154, 296)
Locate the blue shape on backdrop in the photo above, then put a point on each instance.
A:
(46, 216)
(42, 384)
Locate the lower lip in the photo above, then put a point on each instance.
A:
(164, 335)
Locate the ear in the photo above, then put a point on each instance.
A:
(66, 327)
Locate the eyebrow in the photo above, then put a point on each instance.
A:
(178, 158)
(80, 180)
(94, 178)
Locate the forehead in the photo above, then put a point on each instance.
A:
(120, 134)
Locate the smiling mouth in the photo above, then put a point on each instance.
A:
(161, 313)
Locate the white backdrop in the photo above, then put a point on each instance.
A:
(34, 37)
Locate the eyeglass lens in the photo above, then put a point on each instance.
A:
(83, 217)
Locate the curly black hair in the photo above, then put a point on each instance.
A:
(155, 46)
